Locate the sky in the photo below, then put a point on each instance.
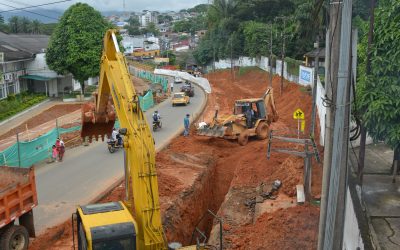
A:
(108, 5)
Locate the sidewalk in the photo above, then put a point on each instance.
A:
(380, 196)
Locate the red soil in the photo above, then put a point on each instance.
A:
(199, 173)
(48, 115)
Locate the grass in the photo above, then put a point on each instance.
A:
(244, 70)
(17, 103)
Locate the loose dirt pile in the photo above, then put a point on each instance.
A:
(199, 173)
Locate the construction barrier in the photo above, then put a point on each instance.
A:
(146, 101)
(26, 153)
(155, 79)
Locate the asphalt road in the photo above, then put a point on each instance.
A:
(88, 171)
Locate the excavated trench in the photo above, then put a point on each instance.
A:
(190, 210)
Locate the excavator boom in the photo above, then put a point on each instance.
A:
(116, 97)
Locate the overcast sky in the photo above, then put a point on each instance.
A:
(108, 5)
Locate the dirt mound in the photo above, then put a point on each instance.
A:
(48, 115)
(291, 228)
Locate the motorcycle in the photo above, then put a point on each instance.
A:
(157, 124)
(114, 145)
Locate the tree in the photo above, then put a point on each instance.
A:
(35, 27)
(151, 28)
(76, 45)
(378, 94)
(14, 24)
(24, 24)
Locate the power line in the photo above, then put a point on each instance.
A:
(24, 9)
(30, 6)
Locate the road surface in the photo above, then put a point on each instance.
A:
(88, 171)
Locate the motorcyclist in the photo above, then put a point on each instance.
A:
(116, 137)
(156, 118)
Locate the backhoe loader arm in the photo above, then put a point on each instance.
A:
(142, 198)
(270, 106)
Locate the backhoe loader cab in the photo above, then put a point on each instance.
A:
(240, 125)
(257, 105)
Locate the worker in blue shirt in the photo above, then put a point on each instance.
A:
(186, 123)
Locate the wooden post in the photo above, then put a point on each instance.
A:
(18, 150)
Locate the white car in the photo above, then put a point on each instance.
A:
(178, 80)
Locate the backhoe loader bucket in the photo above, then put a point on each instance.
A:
(95, 125)
(215, 131)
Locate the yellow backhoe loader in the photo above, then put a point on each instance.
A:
(134, 223)
(251, 117)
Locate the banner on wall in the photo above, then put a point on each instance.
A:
(306, 75)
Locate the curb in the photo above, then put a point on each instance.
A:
(24, 112)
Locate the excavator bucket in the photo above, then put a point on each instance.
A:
(96, 124)
(215, 131)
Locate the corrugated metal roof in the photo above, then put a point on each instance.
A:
(22, 46)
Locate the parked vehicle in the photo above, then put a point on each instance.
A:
(17, 199)
(188, 89)
(180, 98)
(178, 80)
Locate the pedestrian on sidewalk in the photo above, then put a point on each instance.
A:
(172, 86)
(54, 153)
(186, 123)
(61, 150)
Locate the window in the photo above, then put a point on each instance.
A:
(2, 91)
(120, 244)
(11, 88)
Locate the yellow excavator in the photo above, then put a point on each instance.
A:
(134, 223)
(251, 117)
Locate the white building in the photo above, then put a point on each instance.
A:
(23, 67)
(148, 17)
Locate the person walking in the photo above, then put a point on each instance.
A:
(54, 153)
(186, 123)
(61, 150)
(172, 86)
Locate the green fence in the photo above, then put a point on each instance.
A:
(155, 79)
(26, 153)
(146, 101)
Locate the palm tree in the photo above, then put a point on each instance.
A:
(25, 23)
(14, 24)
(35, 27)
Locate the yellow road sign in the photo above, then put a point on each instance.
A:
(298, 114)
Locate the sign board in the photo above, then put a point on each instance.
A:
(306, 75)
(298, 114)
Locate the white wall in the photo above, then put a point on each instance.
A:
(202, 82)
(351, 234)
(39, 67)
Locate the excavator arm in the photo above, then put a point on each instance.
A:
(269, 103)
(142, 198)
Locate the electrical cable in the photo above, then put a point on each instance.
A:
(30, 12)
(30, 6)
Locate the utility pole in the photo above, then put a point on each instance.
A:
(314, 90)
(283, 50)
(337, 185)
(363, 130)
(331, 63)
(232, 68)
(270, 58)
(283, 54)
